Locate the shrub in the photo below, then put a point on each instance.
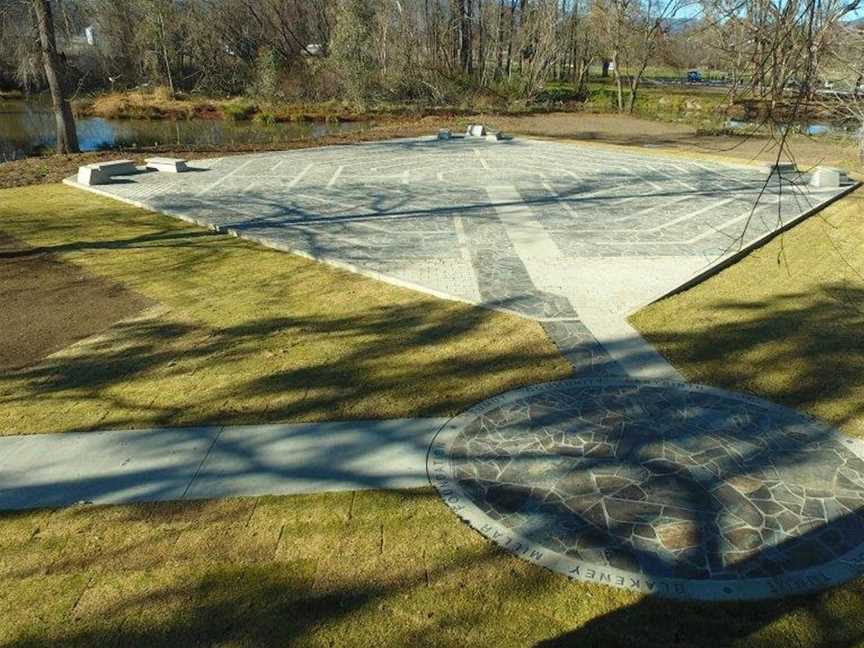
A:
(238, 110)
(269, 67)
(266, 118)
(558, 92)
(353, 49)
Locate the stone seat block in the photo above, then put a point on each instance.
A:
(165, 164)
(828, 178)
(101, 172)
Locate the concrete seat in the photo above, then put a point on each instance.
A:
(828, 178)
(497, 136)
(101, 172)
(782, 169)
(168, 165)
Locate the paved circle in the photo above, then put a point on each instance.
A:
(661, 487)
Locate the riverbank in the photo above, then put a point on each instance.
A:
(700, 107)
(53, 168)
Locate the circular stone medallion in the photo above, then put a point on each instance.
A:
(661, 487)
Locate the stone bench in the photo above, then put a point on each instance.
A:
(782, 169)
(168, 165)
(101, 172)
(828, 178)
(497, 136)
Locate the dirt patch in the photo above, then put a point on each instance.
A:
(628, 130)
(47, 304)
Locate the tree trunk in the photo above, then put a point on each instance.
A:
(510, 31)
(466, 61)
(619, 83)
(55, 72)
(165, 58)
(499, 43)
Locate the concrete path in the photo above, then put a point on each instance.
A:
(199, 463)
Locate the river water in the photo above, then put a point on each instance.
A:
(27, 126)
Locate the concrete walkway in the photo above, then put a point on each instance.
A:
(206, 462)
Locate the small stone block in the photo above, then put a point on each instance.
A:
(101, 172)
(89, 175)
(782, 169)
(826, 178)
(168, 165)
(116, 167)
(444, 134)
(476, 130)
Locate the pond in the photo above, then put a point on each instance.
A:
(812, 129)
(27, 126)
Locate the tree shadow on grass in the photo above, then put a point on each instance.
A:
(448, 599)
(273, 605)
(804, 350)
(312, 366)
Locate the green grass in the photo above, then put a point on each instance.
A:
(243, 334)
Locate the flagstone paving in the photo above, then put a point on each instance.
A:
(657, 486)
(667, 488)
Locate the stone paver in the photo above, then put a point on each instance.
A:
(659, 487)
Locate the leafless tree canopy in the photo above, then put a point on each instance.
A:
(776, 53)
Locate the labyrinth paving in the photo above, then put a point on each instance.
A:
(656, 486)
(664, 488)
(524, 225)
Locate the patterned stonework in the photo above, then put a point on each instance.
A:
(668, 488)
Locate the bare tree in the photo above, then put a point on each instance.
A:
(632, 31)
(55, 73)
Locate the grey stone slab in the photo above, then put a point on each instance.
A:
(303, 458)
(100, 467)
(113, 467)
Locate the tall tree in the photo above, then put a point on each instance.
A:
(353, 51)
(55, 73)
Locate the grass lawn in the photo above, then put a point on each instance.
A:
(236, 333)
(346, 569)
(378, 568)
